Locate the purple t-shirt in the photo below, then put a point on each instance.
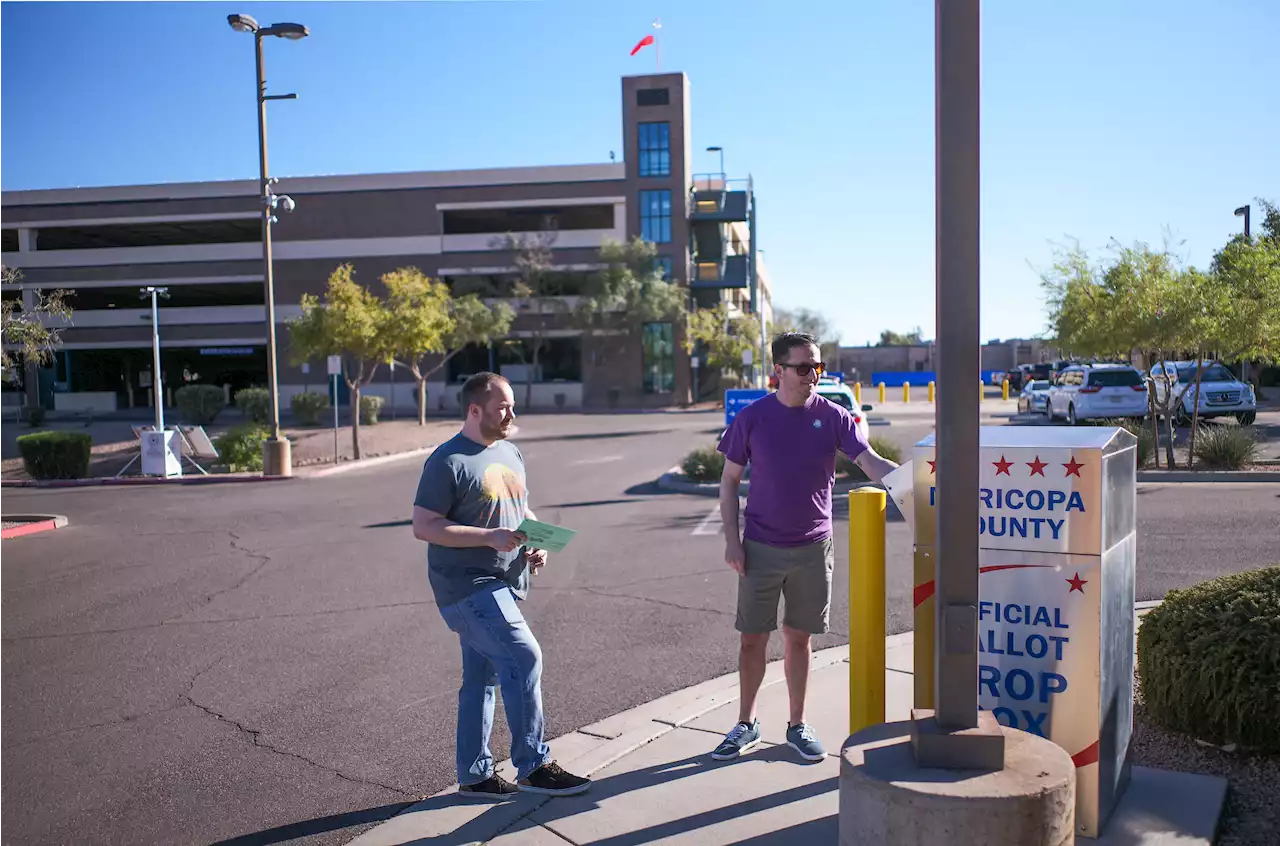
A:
(793, 466)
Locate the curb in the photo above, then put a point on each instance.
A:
(35, 524)
(368, 462)
(1148, 476)
(126, 481)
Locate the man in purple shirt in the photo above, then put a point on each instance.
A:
(790, 438)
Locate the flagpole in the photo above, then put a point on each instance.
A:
(657, 42)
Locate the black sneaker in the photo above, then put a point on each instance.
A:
(554, 781)
(494, 787)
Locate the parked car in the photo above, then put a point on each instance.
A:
(837, 392)
(1221, 393)
(1024, 373)
(1092, 392)
(1032, 398)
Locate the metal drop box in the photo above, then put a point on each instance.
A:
(1057, 549)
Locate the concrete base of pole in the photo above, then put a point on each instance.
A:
(886, 798)
(277, 457)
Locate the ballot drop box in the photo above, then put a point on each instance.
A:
(1057, 545)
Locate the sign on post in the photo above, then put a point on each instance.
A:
(736, 399)
(335, 365)
(1057, 548)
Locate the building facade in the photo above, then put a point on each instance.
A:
(202, 241)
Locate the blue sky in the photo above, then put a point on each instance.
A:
(1100, 119)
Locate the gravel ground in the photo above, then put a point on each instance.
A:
(1252, 814)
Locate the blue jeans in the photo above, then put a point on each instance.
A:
(497, 648)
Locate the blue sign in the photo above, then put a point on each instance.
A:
(737, 399)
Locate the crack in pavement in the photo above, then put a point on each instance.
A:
(170, 623)
(255, 737)
(264, 560)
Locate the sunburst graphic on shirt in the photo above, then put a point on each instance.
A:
(501, 483)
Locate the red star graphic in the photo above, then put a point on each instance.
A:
(1002, 466)
(1077, 583)
(1037, 466)
(933, 467)
(1073, 469)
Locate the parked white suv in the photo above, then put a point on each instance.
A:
(1097, 391)
(1221, 394)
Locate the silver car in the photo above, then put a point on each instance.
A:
(1031, 399)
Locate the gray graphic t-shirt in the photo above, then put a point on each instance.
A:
(476, 486)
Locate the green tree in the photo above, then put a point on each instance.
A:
(812, 323)
(474, 322)
(889, 338)
(722, 338)
(539, 295)
(626, 293)
(352, 322)
(24, 331)
(419, 320)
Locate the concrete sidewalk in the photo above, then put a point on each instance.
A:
(656, 782)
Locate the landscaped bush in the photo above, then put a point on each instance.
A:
(306, 407)
(1209, 660)
(370, 407)
(704, 464)
(884, 447)
(255, 403)
(1226, 447)
(55, 455)
(240, 448)
(1140, 430)
(200, 404)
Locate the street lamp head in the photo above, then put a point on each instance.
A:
(715, 149)
(291, 31)
(1242, 211)
(242, 23)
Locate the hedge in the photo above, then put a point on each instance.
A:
(55, 455)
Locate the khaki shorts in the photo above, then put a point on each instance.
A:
(800, 574)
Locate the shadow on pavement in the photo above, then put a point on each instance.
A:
(320, 825)
(589, 503)
(590, 436)
(390, 524)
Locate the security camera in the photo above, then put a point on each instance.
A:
(287, 203)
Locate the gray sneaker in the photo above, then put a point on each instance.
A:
(802, 739)
(741, 738)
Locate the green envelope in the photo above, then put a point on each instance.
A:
(545, 536)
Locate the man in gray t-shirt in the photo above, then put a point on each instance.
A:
(471, 500)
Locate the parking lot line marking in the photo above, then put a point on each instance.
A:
(602, 460)
(710, 524)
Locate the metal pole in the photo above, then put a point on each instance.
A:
(334, 379)
(957, 111)
(757, 289)
(155, 358)
(274, 452)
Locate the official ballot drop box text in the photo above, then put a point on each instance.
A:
(1057, 545)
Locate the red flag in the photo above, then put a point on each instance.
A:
(644, 42)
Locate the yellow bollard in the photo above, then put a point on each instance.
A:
(931, 389)
(866, 608)
(857, 393)
(982, 391)
(882, 393)
(1004, 390)
(906, 392)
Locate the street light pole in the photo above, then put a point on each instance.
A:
(1243, 211)
(276, 454)
(155, 294)
(939, 737)
(276, 458)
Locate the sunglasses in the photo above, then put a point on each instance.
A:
(803, 370)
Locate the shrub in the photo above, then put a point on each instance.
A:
(1140, 430)
(55, 455)
(255, 403)
(884, 447)
(1209, 660)
(240, 448)
(370, 406)
(306, 407)
(200, 404)
(704, 464)
(1227, 447)
(35, 415)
